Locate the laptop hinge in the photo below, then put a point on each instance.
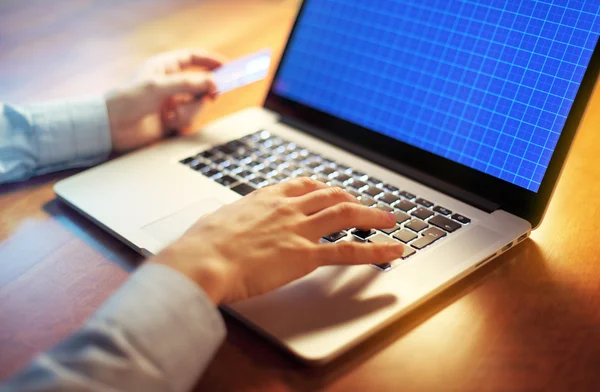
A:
(408, 171)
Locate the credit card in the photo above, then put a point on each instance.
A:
(243, 71)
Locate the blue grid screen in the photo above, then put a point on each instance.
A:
(486, 83)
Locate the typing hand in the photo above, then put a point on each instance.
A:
(160, 98)
(271, 237)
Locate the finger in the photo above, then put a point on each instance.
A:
(199, 58)
(319, 200)
(343, 216)
(299, 186)
(170, 122)
(193, 83)
(187, 112)
(352, 253)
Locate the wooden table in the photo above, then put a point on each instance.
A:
(529, 321)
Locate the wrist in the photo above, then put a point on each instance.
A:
(206, 274)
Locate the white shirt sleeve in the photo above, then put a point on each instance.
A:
(157, 333)
(46, 137)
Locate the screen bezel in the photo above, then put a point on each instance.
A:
(512, 198)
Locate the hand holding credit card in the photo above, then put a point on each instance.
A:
(242, 72)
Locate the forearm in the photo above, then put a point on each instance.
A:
(157, 333)
(46, 137)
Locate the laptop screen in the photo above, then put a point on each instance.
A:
(484, 83)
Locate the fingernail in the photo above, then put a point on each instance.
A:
(391, 217)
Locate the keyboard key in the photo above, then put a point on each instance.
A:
(408, 195)
(424, 202)
(461, 218)
(382, 239)
(358, 184)
(335, 236)
(259, 180)
(303, 173)
(236, 145)
(373, 191)
(226, 180)
(233, 168)
(354, 239)
(254, 165)
(221, 162)
(314, 164)
(363, 234)
(405, 236)
(408, 252)
(211, 173)
(266, 171)
(391, 188)
(245, 174)
(442, 210)
(352, 192)
(244, 160)
(207, 154)
(445, 223)
(243, 189)
(374, 181)
(328, 171)
(342, 177)
(292, 168)
(401, 217)
(186, 160)
(225, 149)
(388, 198)
(384, 266)
(277, 162)
(343, 168)
(367, 201)
(428, 238)
(358, 175)
(199, 166)
(391, 230)
(384, 207)
(416, 225)
(422, 213)
(405, 205)
(321, 178)
(280, 177)
(303, 152)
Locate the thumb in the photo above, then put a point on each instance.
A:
(194, 83)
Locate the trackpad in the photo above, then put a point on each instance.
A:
(168, 229)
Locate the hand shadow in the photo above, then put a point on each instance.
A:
(260, 365)
(312, 305)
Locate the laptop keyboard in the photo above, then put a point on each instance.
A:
(263, 159)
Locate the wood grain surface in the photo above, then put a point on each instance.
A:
(530, 321)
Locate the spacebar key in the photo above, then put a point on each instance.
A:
(243, 189)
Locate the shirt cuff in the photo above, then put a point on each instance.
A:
(71, 131)
(170, 319)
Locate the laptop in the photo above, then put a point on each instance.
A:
(457, 116)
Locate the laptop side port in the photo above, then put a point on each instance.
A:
(523, 237)
(506, 247)
(482, 262)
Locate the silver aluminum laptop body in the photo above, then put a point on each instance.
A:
(148, 199)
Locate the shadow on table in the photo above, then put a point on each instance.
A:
(113, 249)
(37, 181)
